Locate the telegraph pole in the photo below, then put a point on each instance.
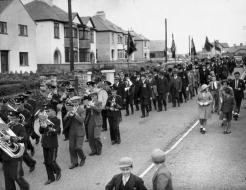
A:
(71, 58)
(166, 39)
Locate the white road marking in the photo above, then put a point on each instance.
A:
(181, 138)
(172, 148)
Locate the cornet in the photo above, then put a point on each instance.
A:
(13, 149)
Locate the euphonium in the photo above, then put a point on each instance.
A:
(14, 150)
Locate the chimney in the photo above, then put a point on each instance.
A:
(241, 44)
(101, 14)
(49, 2)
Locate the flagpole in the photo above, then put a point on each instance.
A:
(128, 44)
(166, 39)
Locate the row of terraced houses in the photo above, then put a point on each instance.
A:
(38, 33)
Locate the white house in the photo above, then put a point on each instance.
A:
(17, 38)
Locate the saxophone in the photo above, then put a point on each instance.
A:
(13, 149)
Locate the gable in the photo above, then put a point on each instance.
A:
(76, 20)
(89, 24)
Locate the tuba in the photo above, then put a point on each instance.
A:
(14, 150)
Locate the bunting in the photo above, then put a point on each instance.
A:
(193, 48)
(130, 45)
(207, 46)
(173, 48)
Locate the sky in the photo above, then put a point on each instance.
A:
(223, 20)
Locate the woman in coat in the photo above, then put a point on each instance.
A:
(204, 101)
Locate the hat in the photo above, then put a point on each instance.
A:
(204, 86)
(48, 106)
(116, 78)
(19, 99)
(70, 89)
(53, 86)
(237, 73)
(114, 87)
(90, 83)
(108, 83)
(158, 156)
(143, 75)
(65, 84)
(125, 162)
(28, 92)
(74, 98)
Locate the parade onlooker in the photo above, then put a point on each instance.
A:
(162, 179)
(126, 180)
(214, 87)
(227, 108)
(175, 88)
(162, 89)
(129, 96)
(145, 94)
(204, 73)
(204, 101)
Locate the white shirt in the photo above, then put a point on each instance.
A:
(125, 179)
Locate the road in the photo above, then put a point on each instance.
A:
(211, 161)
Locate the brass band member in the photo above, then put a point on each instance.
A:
(50, 128)
(12, 167)
(94, 124)
(113, 106)
(76, 131)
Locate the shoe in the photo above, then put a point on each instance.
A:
(99, 152)
(165, 109)
(118, 142)
(159, 110)
(32, 168)
(113, 142)
(82, 162)
(228, 132)
(73, 166)
(49, 182)
(37, 140)
(132, 112)
(224, 132)
(92, 154)
(142, 116)
(58, 176)
(127, 114)
(104, 129)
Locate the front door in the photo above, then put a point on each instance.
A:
(4, 61)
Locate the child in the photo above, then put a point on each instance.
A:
(227, 106)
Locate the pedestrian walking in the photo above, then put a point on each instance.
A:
(162, 179)
(204, 101)
(126, 180)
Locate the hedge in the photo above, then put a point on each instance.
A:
(11, 89)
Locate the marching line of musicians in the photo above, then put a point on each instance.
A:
(84, 117)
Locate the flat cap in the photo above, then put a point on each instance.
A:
(108, 83)
(74, 98)
(125, 162)
(158, 156)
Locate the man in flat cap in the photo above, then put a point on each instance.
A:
(126, 180)
(162, 179)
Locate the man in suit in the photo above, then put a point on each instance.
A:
(238, 87)
(144, 94)
(185, 83)
(76, 131)
(137, 82)
(162, 179)
(126, 180)
(204, 73)
(175, 88)
(214, 87)
(163, 90)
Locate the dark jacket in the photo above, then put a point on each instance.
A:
(134, 183)
(49, 134)
(113, 108)
(184, 77)
(238, 92)
(175, 86)
(94, 113)
(227, 104)
(162, 85)
(144, 90)
(204, 76)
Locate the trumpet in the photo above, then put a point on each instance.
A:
(13, 149)
(43, 119)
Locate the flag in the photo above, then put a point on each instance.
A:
(130, 45)
(193, 48)
(217, 46)
(208, 46)
(173, 48)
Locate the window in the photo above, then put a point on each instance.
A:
(67, 54)
(66, 32)
(84, 55)
(112, 38)
(121, 54)
(22, 30)
(145, 43)
(3, 27)
(84, 34)
(120, 39)
(145, 55)
(23, 58)
(75, 33)
(92, 36)
(56, 30)
(112, 53)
